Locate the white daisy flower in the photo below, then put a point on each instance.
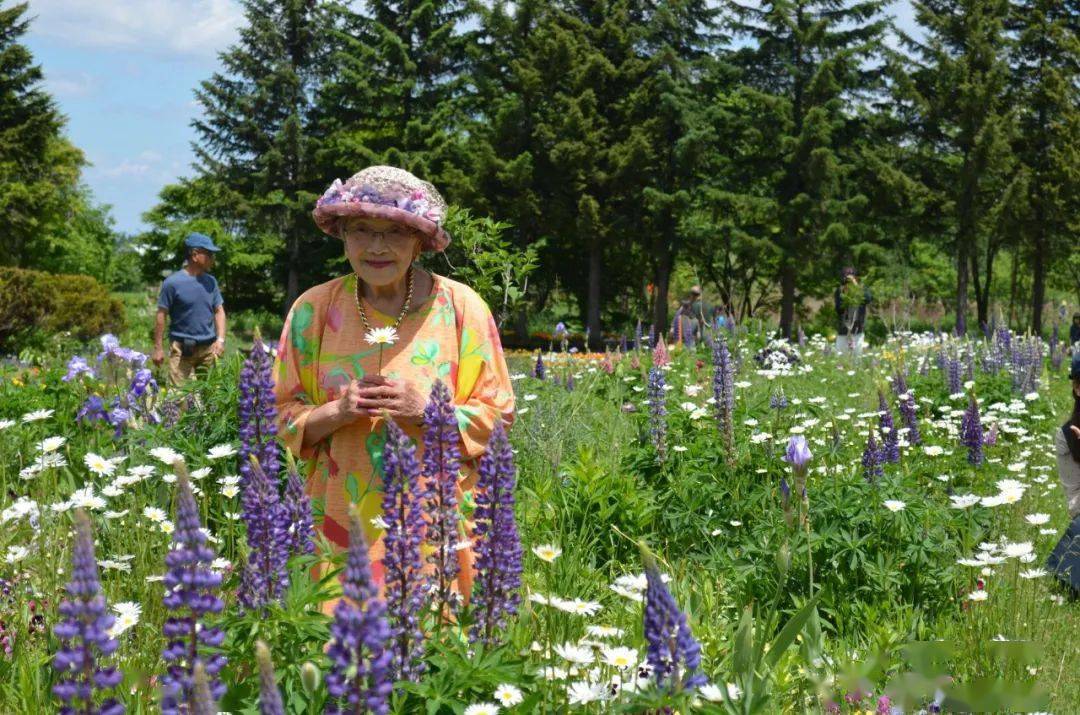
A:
(547, 552)
(154, 514)
(220, 451)
(574, 653)
(230, 491)
(50, 444)
(978, 596)
(166, 455)
(508, 695)
(200, 473)
(37, 415)
(127, 616)
(894, 505)
(619, 657)
(481, 708)
(16, 553)
(604, 631)
(1037, 519)
(4, 424)
(99, 465)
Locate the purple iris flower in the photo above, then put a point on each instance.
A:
(798, 453)
(77, 366)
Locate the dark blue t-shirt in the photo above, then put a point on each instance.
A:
(191, 302)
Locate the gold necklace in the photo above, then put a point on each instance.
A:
(404, 308)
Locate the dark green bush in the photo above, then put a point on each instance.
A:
(34, 304)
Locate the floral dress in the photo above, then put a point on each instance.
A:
(451, 337)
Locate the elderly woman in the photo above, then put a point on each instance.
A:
(333, 388)
(1067, 446)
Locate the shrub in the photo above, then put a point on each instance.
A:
(35, 304)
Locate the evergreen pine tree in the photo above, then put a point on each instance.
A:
(1046, 79)
(809, 67)
(958, 89)
(259, 137)
(400, 90)
(39, 169)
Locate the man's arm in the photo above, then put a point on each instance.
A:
(159, 333)
(219, 328)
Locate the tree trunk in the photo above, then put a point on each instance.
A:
(660, 289)
(1038, 279)
(787, 298)
(961, 284)
(593, 303)
(1013, 282)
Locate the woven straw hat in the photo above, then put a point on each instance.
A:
(385, 192)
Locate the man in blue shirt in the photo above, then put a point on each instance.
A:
(196, 313)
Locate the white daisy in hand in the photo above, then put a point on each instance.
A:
(381, 336)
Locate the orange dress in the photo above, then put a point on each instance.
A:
(451, 337)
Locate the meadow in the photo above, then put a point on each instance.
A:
(843, 535)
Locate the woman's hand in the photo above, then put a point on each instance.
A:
(348, 405)
(399, 398)
(1075, 430)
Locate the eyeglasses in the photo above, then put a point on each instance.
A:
(398, 237)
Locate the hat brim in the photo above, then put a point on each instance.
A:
(327, 216)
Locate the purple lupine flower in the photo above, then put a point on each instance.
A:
(360, 658)
(269, 695)
(257, 414)
(538, 369)
(657, 412)
(971, 432)
(77, 366)
(265, 577)
(440, 466)
(778, 400)
(884, 706)
(899, 383)
(84, 634)
(952, 375)
(190, 594)
(872, 460)
(724, 393)
(890, 448)
(672, 651)
(991, 435)
(406, 585)
(498, 548)
(909, 413)
(297, 508)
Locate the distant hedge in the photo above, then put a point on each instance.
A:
(33, 302)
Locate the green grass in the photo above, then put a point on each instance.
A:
(589, 483)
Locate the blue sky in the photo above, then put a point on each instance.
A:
(123, 72)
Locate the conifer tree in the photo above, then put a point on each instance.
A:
(958, 88)
(809, 66)
(1046, 81)
(400, 90)
(259, 134)
(39, 168)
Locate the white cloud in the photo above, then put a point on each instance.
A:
(126, 167)
(195, 28)
(67, 86)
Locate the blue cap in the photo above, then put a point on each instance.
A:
(198, 240)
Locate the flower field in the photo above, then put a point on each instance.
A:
(759, 527)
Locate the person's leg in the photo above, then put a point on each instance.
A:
(178, 371)
(202, 360)
(841, 344)
(856, 344)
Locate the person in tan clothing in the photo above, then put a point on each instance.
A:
(192, 300)
(1067, 446)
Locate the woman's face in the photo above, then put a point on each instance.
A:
(378, 250)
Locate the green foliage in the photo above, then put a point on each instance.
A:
(38, 305)
(481, 258)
